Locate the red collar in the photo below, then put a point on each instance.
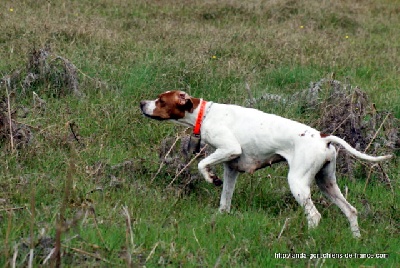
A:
(199, 120)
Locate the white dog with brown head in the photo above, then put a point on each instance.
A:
(247, 139)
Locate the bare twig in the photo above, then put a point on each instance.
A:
(386, 177)
(128, 222)
(128, 233)
(30, 263)
(71, 127)
(152, 251)
(183, 188)
(369, 176)
(81, 251)
(165, 157)
(15, 255)
(32, 244)
(248, 89)
(188, 164)
(7, 234)
(49, 256)
(376, 133)
(333, 132)
(382, 171)
(9, 116)
(195, 238)
(97, 228)
(218, 261)
(9, 209)
(283, 227)
(60, 221)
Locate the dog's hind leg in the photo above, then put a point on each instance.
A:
(230, 176)
(299, 183)
(326, 181)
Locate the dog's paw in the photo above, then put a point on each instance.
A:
(355, 230)
(224, 210)
(217, 181)
(313, 219)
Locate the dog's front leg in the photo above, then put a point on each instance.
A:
(219, 156)
(230, 176)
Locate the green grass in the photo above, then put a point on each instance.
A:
(128, 51)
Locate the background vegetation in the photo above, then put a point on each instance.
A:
(114, 212)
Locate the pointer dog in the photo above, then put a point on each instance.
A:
(247, 139)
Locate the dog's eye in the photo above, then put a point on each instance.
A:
(162, 102)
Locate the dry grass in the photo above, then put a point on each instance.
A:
(196, 31)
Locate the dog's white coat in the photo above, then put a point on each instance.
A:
(247, 139)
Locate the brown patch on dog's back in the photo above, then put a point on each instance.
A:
(323, 135)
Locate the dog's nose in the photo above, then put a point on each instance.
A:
(142, 104)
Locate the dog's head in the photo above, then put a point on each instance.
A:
(169, 105)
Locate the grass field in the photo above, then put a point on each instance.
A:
(96, 197)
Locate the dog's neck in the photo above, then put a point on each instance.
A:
(190, 117)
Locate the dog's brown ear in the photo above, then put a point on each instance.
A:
(183, 97)
(186, 101)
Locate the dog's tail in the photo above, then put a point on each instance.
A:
(353, 151)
